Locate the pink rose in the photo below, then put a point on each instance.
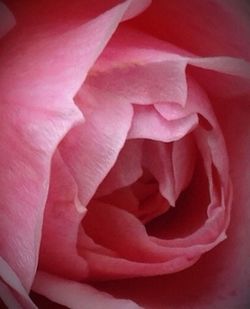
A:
(124, 147)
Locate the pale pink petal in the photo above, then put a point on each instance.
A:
(172, 111)
(43, 68)
(143, 84)
(226, 65)
(28, 139)
(7, 20)
(76, 295)
(91, 149)
(129, 46)
(61, 224)
(12, 292)
(127, 168)
(135, 8)
(149, 124)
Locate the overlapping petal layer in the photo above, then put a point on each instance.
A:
(45, 63)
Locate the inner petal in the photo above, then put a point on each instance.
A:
(148, 123)
(190, 212)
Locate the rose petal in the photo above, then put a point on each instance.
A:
(143, 84)
(149, 124)
(135, 8)
(37, 86)
(183, 158)
(207, 28)
(76, 295)
(12, 291)
(91, 149)
(61, 226)
(127, 168)
(7, 20)
(139, 256)
(221, 278)
(158, 160)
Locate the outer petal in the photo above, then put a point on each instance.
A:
(76, 295)
(12, 291)
(43, 68)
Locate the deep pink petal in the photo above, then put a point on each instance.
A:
(207, 28)
(157, 159)
(183, 158)
(222, 77)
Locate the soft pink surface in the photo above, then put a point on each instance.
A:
(38, 83)
(145, 111)
(221, 278)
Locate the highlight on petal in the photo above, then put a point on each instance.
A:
(37, 87)
(92, 148)
(28, 138)
(7, 20)
(12, 292)
(76, 295)
(135, 8)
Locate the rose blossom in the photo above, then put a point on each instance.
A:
(124, 141)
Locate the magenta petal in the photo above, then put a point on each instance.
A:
(76, 295)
